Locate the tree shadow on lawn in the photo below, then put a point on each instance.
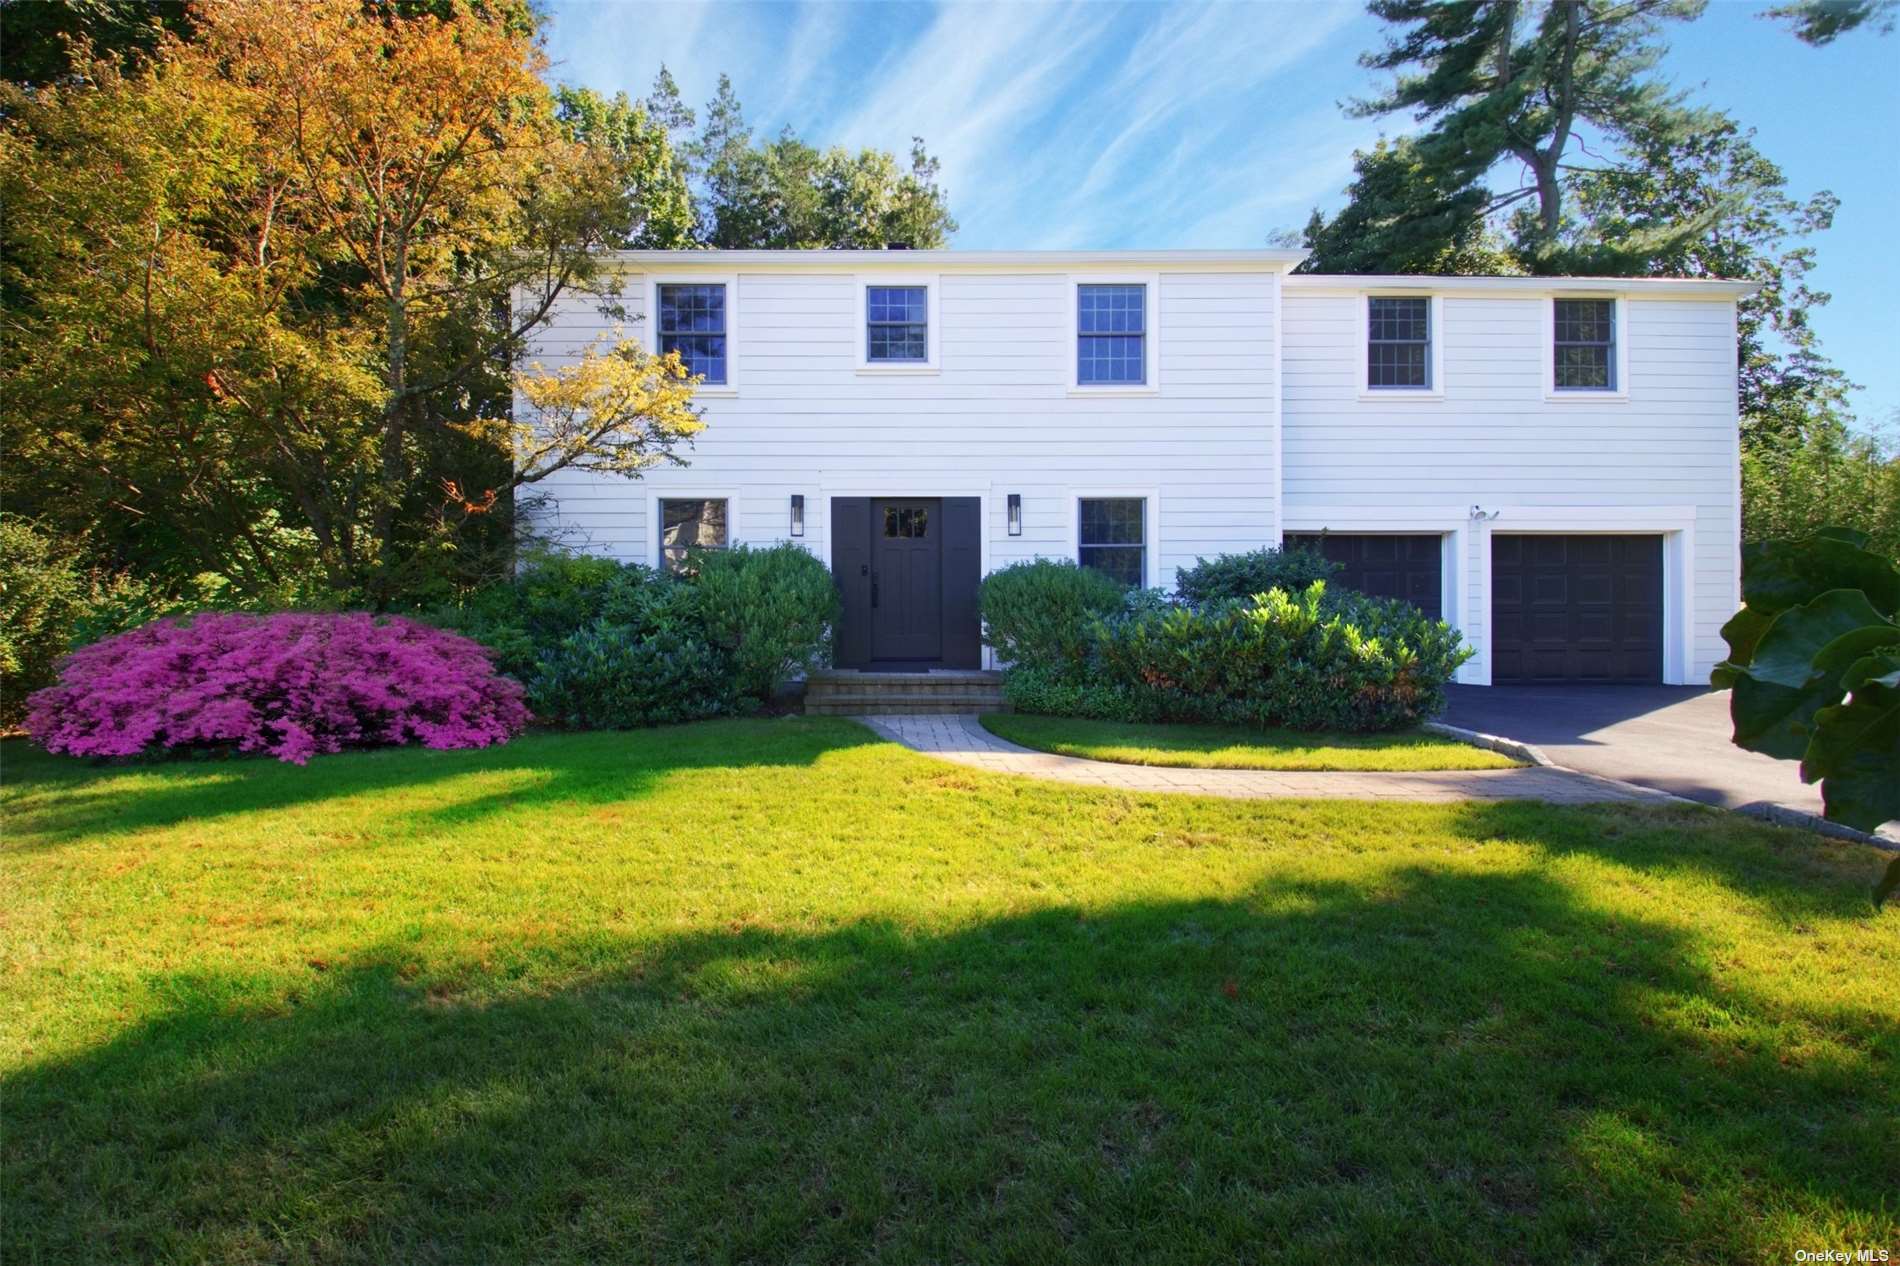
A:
(1445, 1066)
(52, 804)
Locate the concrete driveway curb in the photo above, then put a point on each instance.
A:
(1492, 742)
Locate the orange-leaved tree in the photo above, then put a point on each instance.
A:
(265, 293)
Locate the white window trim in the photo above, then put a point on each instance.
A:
(1434, 348)
(656, 528)
(933, 361)
(730, 281)
(1619, 350)
(1151, 333)
(1150, 528)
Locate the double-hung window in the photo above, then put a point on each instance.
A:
(1111, 335)
(896, 325)
(1113, 538)
(693, 323)
(688, 525)
(1399, 343)
(1583, 354)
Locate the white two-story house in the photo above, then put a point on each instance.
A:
(1549, 465)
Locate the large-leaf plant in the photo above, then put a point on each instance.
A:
(1814, 672)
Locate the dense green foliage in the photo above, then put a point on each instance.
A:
(1814, 669)
(1662, 190)
(42, 596)
(1315, 660)
(1307, 661)
(1501, 88)
(1227, 577)
(774, 991)
(1821, 22)
(1795, 486)
(1039, 613)
(225, 356)
(770, 610)
(784, 193)
(621, 674)
(602, 643)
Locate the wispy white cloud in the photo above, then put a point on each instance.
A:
(1058, 124)
(976, 80)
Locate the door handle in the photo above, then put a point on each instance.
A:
(874, 589)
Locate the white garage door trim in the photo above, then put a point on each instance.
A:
(1675, 524)
(1451, 524)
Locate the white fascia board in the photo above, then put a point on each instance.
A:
(952, 260)
(1517, 287)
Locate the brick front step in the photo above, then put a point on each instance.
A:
(903, 708)
(953, 692)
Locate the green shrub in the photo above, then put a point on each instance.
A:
(1032, 688)
(770, 610)
(577, 631)
(552, 597)
(621, 676)
(1236, 577)
(1311, 661)
(116, 604)
(42, 597)
(1307, 661)
(1040, 612)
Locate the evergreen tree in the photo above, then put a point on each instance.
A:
(787, 194)
(1820, 22)
(1716, 177)
(1503, 84)
(657, 190)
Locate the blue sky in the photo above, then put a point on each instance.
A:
(1095, 124)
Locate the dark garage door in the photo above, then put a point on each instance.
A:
(1576, 608)
(1408, 567)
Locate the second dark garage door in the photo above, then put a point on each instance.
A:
(1576, 608)
(1408, 567)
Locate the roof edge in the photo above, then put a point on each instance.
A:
(1706, 287)
(1276, 259)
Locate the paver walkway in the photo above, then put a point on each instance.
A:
(964, 740)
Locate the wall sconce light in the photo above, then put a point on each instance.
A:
(798, 514)
(1015, 514)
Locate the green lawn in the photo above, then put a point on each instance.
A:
(776, 991)
(1239, 747)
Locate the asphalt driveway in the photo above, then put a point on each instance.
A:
(1672, 737)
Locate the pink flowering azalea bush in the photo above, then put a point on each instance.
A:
(291, 685)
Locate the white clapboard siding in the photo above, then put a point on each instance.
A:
(998, 417)
(1252, 429)
(1665, 452)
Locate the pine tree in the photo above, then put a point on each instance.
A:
(1499, 83)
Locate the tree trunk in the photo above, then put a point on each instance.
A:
(1550, 191)
(395, 412)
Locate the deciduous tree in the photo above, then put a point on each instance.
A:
(269, 288)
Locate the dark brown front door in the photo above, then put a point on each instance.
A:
(907, 580)
(907, 569)
(1576, 608)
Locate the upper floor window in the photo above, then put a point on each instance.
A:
(1584, 350)
(1399, 343)
(693, 323)
(897, 325)
(690, 525)
(1111, 332)
(1112, 537)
